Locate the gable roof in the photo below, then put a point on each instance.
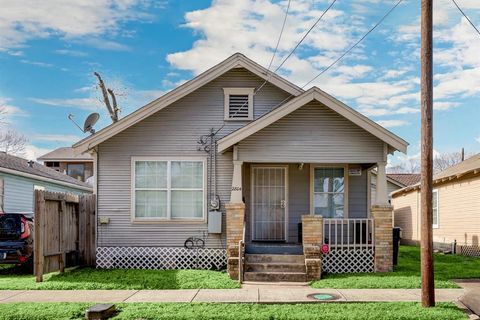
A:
(237, 60)
(314, 93)
(65, 154)
(471, 165)
(19, 166)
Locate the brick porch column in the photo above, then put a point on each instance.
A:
(235, 216)
(382, 216)
(312, 237)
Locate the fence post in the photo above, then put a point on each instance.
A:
(38, 235)
(63, 234)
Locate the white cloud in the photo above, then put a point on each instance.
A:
(61, 138)
(478, 139)
(72, 53)
(89, 104)
(392, 123)
(444, 105)
(7, 110)
(37, 63)
(33, 152)
(21, 21)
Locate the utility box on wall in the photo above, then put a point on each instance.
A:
(215, 222)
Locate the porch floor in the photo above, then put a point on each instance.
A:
(273, 248)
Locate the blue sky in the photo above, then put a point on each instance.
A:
(144, 48)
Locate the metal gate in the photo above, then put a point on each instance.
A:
(269, 204)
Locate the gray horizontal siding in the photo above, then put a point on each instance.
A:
(313, 133)
(358, 196)
(171, 132)
(18, 192)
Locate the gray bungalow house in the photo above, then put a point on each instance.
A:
(271, 178)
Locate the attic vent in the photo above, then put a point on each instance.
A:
(238, 103)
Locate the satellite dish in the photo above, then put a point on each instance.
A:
(90, 122)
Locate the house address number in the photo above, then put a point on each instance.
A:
(236, 188)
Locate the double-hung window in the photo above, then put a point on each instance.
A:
(329, 192)
(168, 189)
(435, 208)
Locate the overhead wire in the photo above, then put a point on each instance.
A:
(354, 45)
(466, 17)
(288, 56)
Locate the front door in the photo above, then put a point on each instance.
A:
(269, 203)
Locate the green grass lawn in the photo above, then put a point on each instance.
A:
(407, 273)
(89, 278)
(331, 311)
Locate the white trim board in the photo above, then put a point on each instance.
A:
(235, 61)
(314, 93)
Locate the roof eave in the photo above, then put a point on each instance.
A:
(314, 93)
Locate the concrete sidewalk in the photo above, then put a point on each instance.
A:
(251, 293)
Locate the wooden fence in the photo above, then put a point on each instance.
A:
(64, 233)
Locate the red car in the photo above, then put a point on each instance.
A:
(16, 239)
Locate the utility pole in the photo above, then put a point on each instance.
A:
(428, 287)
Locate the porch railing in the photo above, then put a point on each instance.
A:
(241, 254)
(349, 233)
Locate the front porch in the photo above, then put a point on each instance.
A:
(321, 214)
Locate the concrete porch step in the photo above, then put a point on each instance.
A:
(275, 267)
(273, 248)
(274, 258)
(275, 276)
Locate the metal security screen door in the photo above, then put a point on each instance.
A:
(269, 194)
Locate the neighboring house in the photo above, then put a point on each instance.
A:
(64, 160)
(456, 206)
(282, 153)
(20, 177)
(395, 181)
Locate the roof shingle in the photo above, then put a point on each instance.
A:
(11, 162)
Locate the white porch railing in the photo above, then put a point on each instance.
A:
(349, 233)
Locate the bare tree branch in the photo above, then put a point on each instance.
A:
(113, 111)
(12, 142)
(114, 102)
(446, 160)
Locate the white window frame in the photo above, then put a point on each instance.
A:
(312, 186)
(437, 225)
(169, 189)
(238, 91)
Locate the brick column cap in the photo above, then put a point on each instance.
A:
(311, 217)
(382, 207)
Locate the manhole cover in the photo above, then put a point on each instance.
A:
(323, 296)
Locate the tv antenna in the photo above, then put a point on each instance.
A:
(89, 122)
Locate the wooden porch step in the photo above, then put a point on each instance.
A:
(275, 267)
(276, 276)
(274, 258)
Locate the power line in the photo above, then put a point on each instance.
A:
(269, 65)
(470, 21)
(356, 43)
(306, 34)
(280, 36)
(291, 52)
